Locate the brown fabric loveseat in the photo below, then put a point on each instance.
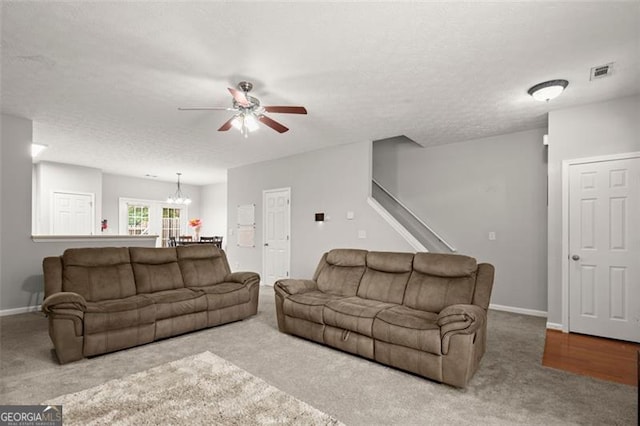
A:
(425, 313)
(100, 300)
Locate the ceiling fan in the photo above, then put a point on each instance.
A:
(249, 112)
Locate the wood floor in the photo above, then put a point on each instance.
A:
(606, 359)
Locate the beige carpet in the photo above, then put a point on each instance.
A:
(200, 389)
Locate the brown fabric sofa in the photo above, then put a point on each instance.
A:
(101, 300)
(425, 312)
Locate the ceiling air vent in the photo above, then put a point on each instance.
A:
(601, 71)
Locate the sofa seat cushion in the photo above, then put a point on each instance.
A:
(225, 294)
(174, 303)
(108, 315)
(408, 327)
(354, 314)
(308, 306)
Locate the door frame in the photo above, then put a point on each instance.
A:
(264, 229)
(566, 165)
(155, 209)
(53, 208)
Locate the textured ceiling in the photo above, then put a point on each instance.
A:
(102, 81)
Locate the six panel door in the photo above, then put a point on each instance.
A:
(604, 249)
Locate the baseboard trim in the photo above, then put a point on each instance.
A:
(16, 311)
(554, 326)
(515, 310)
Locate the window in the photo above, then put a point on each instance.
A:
(170, 224)
(137, 219)
(150, 217)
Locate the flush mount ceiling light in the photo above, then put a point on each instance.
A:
(178, 197)
(36, 149)
(548, 90)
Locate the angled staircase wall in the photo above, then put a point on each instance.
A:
(408, 224)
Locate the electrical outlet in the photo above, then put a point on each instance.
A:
(362, 233)
(492, 236)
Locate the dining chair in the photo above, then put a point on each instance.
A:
(185, 239)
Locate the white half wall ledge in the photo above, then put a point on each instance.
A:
(16, 311)
(516, 310)
(85, 238)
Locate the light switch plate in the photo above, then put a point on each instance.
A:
(492, 236)
(350, 215)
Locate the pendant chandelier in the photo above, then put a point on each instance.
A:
(178, 197)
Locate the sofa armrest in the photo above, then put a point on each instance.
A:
(65, 301)
(459, 319)
(291, 286)
(243, 278)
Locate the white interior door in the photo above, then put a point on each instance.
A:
(276, 250)
(72, 214)
(604, 248)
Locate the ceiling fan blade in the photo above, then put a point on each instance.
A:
(227, 125)
(205, 109)
(240, 98)
(286, 109)
(273, 124)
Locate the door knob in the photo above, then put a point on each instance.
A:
(575, 257)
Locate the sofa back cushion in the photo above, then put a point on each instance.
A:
(340, 271)
(155, 269)
(98, 273)
(440, 280)
(202, 265)
(386, 276)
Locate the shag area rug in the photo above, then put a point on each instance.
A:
(200, 389)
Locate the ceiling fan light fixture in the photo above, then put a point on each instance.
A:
(548, 90)
(237, 122)
(251, 122)
(245, 122)
(178, 197)
(249, 114)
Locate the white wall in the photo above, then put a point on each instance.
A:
(214, 210)
(50, 177)
(16, 212)
(466, 190)
(586, 131)
(333, 180)
(21, 281)
(115, 186)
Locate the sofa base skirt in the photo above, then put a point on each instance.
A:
(114, 340)
(349, 341)
(303, 328)
(181, 324)
(422, 363)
